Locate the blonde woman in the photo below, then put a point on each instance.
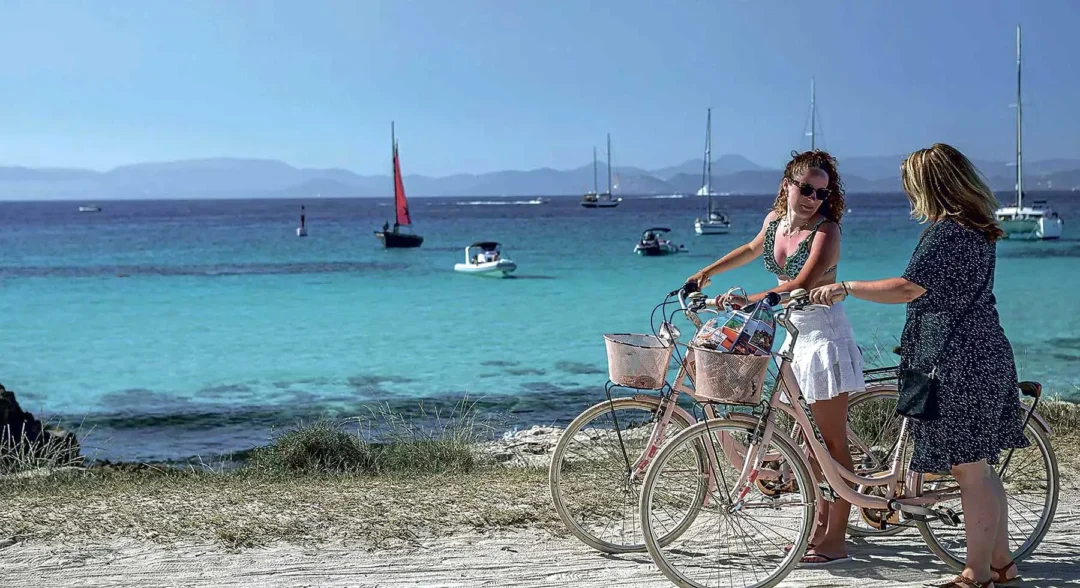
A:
(949, 285)
(800, 243)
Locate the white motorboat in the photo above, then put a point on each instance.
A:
(1037, 221)
(90, 208)
(652, 243)
(485, 259)
(716, 220)
(594, 199)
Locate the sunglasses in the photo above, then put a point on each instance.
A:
(808, 190)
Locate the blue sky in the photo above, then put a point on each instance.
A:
(482, 85)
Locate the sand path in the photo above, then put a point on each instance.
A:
(521, 558)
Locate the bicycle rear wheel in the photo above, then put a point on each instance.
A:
(733, 540)
(593, 486)
(1031, 484)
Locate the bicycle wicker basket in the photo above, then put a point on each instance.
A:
(637, 361)
(728, 378)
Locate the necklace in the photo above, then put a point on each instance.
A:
(790, 230)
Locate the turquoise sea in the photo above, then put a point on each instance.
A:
(179, 328)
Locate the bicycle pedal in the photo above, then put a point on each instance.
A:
(947, 516)
(827, 492)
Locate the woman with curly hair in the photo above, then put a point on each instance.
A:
(800, 242)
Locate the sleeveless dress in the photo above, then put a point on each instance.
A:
(979, 401)
(826, 360)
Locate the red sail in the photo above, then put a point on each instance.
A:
(399, 194)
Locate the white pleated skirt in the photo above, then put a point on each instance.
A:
(826, 360)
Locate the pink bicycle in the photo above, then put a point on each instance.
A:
(707, 520)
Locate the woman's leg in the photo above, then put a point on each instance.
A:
(1002, 555)
(831, 418)
(984, 503)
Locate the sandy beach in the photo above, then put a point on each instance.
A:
(520, 558)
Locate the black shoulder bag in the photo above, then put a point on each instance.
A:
(918, 398)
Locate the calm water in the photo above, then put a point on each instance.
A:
(182, 328)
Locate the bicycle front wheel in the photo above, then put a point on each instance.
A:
(1031, 485)
(738, 536)
(873, 432)
(594, 485)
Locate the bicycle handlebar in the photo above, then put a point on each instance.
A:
(799, 299)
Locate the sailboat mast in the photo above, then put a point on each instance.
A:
(609, 164)
(708, 161)
(813, 115)
(1019, 130)
(594, 191)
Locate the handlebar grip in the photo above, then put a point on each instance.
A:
(685, 289)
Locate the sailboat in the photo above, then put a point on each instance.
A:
(397, 239)
(1037, 221)
(605, 200)
(716, 221)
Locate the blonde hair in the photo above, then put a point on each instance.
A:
(942, 183)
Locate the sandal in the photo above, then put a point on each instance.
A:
(818, 560)
(1001, 573)
(966, 582)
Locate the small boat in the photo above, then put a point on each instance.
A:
(301, 231)
(487, 261)
(398, 239)
(716, 221)
(1038, 221)
(594, 199)
(90, 208)
(652, 243)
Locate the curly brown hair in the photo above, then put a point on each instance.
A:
(800, 162)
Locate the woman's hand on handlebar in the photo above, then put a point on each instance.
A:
(730, 299)
(829, 294)
(701, 279)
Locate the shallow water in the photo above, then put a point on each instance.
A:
(193, 327)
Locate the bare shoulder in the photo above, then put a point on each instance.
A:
(830, 228)
(772, 216)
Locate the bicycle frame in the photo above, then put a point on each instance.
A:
(749, 459)
(734, 451)
(837, 477)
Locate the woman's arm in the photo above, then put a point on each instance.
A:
(824, 253)
(887, 291)
(738, 257)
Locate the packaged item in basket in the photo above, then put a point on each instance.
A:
(709, 336)
(748, 331)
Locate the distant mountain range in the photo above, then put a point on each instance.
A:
(261, 178)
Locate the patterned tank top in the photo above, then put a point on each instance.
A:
(794, 262)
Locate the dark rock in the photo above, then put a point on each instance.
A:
(124, 466)
(24, 438)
